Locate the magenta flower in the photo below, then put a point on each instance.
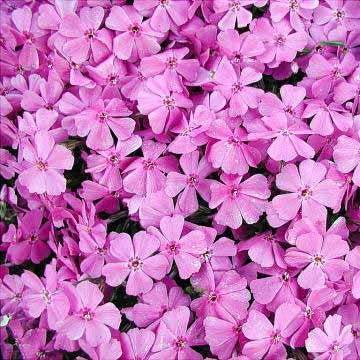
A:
(307, 189)
(11, 293)
(347, 157)
(281, 43)
(89, 320)
(332, 342)
(188, 184)
(173, 339)
(267, 340)
(167, 13)
(184, 250)
(234, 86)
(162, 104)
(137, 344)
(136, 38)
(146, 175)
(235, 12)
(97, 121)
(83, 36)
(229, 296)
(320, 256)
(230, 153)
(44, 164)
(239, 200)
(135, 260)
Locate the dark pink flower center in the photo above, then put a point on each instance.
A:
(339, 14)
(233, 140)
(237, 58)
(103, 116)
(234, 5)
(306, 193)
(173, 248)
(212, 297)
(192, 180)
(335, 73)
(234, 192)
(288, 109)
(17, 297)
(135, 264)
(280, 40)
(171, 63)
(309, 313)
(318, 259)
(114, 159)
(207, 255)
(169, 103)
(135, 29)
(33, 238)
(149, 165)
(164, 2)
(28, 37)
(335, 347)
(276, 338)
(269, 238)
(236, 88)
(40, 354)
(180, 343)
(20, 69)
(293, 5)
(41, 166)
(46, 296)
(113, 79)
(90, 34)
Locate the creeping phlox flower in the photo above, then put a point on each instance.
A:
(180, 179)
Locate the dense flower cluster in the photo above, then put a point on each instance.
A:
(181, 179)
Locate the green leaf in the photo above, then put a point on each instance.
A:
(5, 320)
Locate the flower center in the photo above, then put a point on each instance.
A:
(207, 255)
(149, 165)
(20, 69)
(135, 264)
(28, 37)
(135, 29)
(335, 73)
(306, 193)
(114, 159)
(335, 347)
(235, 6)
(171, 63)
(40, 354)
(280, 40)
(103, 116)
(87, 314)
(212, 297)
(173, 248)
(236, 88)
(318, 260)
(233, 140)
(339, 14)
(288, 109)
(90, 34)
(237, 58)
(285, 276)
(276, 338)
(192, 180)
(113, 79)
(164, 3)
(234, 192)
(169, 103)
(180, 343)
(309, 313)
(41, 165)
(46, 296)
(293, 5)
(17, 297)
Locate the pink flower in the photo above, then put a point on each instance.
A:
(233, 85)
(137, 344)
(46, 296)
(287, 131)
(347, 157)
(332, 342)
(96, 122)
(135, 260)
(162, 104)
(300, 11)
(45, 162)
(307, 189)
(83, 36)
(156, 302)
(239, 200)
(228, 296)
(265, 249)
(223, 335)
(167, 13)
(230, 153)
(106, 351)
(187, 185)
(235, 13)
(173, 339)
(89, 320)
(184, 250)
(281, 43)
(11, 294)
(326, 116)
(145, 175)
(320, 257)
(328, 73)
(267, 340)
(136, 38)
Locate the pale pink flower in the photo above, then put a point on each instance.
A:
(233, 84)
(45, 162)
(308, 190)
(188, 184)
(320, 256)
(136, 344)
(174, 339)
(347, 157)
(184, 250)
(239, 200)
(332, 342)
(162, 104)
(11, 294)
(136, 261)
(89, 320)
(167, 13)
(136, 38)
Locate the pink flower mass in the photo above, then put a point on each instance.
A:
(180, 179)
